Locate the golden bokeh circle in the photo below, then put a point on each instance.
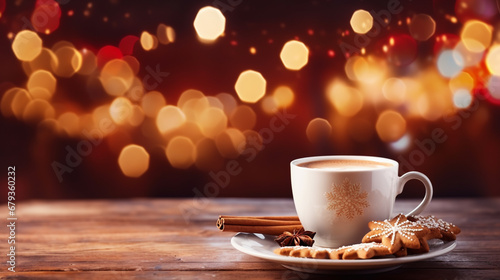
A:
(133, 161)
(27, 45)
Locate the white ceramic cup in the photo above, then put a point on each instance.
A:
(338, 202)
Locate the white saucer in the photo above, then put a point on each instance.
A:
(262, 246)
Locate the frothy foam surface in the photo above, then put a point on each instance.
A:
(345, 164)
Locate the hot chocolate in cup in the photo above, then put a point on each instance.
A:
(336, 196)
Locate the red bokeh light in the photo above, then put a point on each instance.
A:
(127, 44)
(46, 16)
(106, 54)
(402, 49)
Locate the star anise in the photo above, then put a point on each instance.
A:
(297, 238)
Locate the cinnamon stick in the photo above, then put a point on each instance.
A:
(273, 225)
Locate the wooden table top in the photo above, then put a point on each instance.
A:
(177, 238)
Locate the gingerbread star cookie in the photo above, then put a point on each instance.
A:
(396, 233)
(439, 228)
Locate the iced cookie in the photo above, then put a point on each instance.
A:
(396, 233)
(441, 229)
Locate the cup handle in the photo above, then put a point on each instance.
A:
(428, 189)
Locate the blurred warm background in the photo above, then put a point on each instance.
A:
(112, 99)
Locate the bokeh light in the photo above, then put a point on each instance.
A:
(367, 70)
(6, 102)
(318, 129)
(133, 63)
(41, 84)
(190, 130)
(450, 63)
(116, 77)
(346, 100)
(361, 21)
(243, 118)
(212, 122)
(44, 61)
(462, 99)
(228, 102)
(136, 90)
(269, 105)
(37, 110)
(137, 116)
(133, 161)
(69, 122)
(120, 110)
(69, 61)
(390, 126)
(433, 99)
(148, 41)
(101, 117)
(46, 16)
(201, 104)
(476, 35)
(294, 55)
(214, 102)
(181, 152)
(193, 108)
(89, 62)
(19, 102)
(493, 86)
(283, 96)
(62, 43)
(422, 27)
(152, 102)
(402, 144)
(250, 86)
(461, 81)
(165, 34)
(188, 95)
(493, 60)
(108, 53)
(394, 90)
(209, 23)
(127, 44)
(27, 45)
(469, 57)
(169, 118)
(40, 93)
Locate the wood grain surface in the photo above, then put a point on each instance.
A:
(178, 239)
